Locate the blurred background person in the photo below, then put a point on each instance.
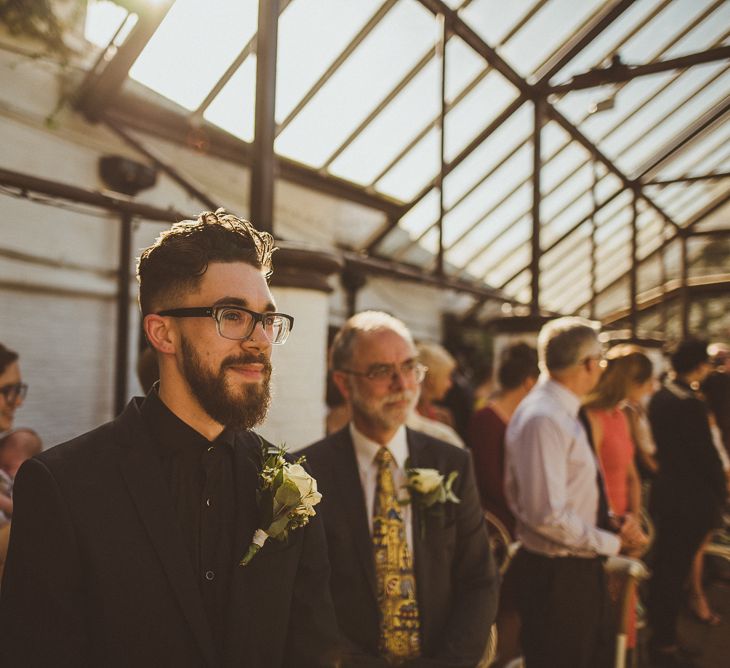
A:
(437, 382)
(517, 374)
(12, 389)
(687, 496)
(716, 391)
(15, 447)
(628, 375)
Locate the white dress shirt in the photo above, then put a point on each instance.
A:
(434, 428)
(365, 451)
(550, 476)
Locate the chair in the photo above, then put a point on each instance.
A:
(632, 571)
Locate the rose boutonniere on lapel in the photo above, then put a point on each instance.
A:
(430, 490)
(286, 498)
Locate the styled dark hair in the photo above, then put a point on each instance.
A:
(518, 362)
(7, 357)
(180, 256)
(688, 355)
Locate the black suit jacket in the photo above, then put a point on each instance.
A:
(98, 575)
(456, 579)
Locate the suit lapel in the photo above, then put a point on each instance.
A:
(351, 494)
(143, 476)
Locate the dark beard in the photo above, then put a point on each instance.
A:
(237, 413)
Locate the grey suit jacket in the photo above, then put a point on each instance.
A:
(456, 578)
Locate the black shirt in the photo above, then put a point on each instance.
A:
(200, 476)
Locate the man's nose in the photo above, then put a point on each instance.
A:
(258, 337)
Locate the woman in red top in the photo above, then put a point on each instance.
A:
(628, 376)
(517, 374)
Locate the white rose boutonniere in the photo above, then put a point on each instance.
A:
(430, 490)
(286, 498)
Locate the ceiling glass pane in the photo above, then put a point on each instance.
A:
(392, 130)
(475, 112)
(375, 67)
(700, 157)
(515, 130)
(419, 166)
(172, 63)
(518, 258)
(421, 215)
(640, 144)
(233, 108)
(312, 33)
(492, 19)
(103, 19)
(545, 32)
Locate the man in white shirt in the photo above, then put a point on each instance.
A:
(554, 488)
(412, 585)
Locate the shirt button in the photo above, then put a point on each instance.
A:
(211, 448)
(209, 575)
(207, 502)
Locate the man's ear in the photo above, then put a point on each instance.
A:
(160, 333)
(340, 379)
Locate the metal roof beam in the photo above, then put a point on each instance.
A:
(618, 72)
(99, 90)
(689, 179)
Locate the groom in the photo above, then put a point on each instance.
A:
(126, 540)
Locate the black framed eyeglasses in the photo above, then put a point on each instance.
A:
(381, 373)
(14, 392)
(237, 323)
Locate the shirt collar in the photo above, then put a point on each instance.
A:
(366, 449)
(567, 399)
(170, 432)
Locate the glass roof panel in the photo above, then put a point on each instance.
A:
(492, 19)
(233, 108)
(545, 32)
(168, 64)
(475, 111)
(700, 157)
(463, 64)
(655, 37)
(421, 215)
(414, 170)
(312, 33)
(517, 259)
(375, 67)
(392, 129)
(103, 19)
(515, 130)
(642, 144)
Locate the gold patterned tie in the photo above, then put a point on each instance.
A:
(399, 623)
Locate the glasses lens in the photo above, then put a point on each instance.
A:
(277, 328)
(14, 393)
(235, 324)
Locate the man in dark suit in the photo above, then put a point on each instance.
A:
(126, 540)
(412, 585)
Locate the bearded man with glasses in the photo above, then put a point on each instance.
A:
(412, 585)
(126, 541)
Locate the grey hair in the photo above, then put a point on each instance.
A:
(563, 342)
(361, 323)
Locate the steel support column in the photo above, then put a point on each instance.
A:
(262, 168)
(124, 275)
(594, 244)
(442, 146)
(633, 275)
(536, 168)
(684, 290)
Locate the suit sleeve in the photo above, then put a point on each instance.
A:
(313, 638)
(476, 585)
(41, 611)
